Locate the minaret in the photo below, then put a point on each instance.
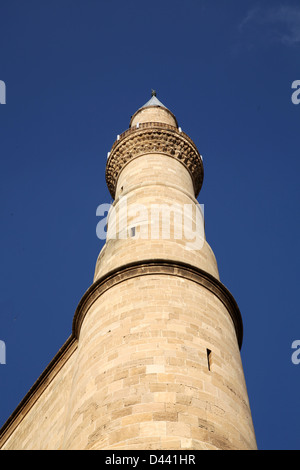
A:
(158, 364)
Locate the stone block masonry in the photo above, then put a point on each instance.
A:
(153, 361)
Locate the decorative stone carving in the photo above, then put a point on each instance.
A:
(154, 137)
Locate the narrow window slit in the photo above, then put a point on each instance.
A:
(208, 354)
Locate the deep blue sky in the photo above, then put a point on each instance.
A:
(75, 72)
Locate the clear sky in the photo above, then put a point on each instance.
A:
(75, 71)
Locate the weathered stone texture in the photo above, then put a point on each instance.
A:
(40, 424)
(154, 358)
(144, 363)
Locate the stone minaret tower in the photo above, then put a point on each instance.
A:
(158, 363)
(153, 361)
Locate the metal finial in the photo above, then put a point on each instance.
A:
(153, 93)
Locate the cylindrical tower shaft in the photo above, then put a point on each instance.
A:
(159, 363)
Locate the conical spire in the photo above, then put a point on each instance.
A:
(146, 114)
(153, 101)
